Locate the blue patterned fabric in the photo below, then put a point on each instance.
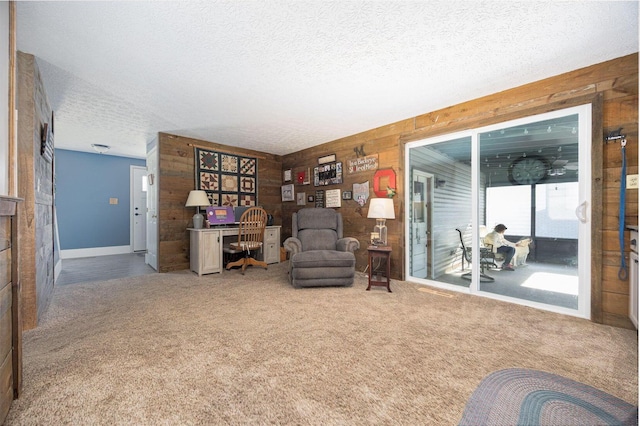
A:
(518, 396)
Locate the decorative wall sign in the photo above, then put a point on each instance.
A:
(301, 198)
(287, 175)
(228, 179)
(361, 193)
(304, 177)
(362, 164)
(319, 198)
(287, 192)
(332, 198)
(327, 174)
(383, 182)
(331, 158)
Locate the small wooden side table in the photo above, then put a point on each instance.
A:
(384, 254)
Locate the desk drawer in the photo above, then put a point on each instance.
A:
(271, 236)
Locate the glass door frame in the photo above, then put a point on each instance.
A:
(585, 140)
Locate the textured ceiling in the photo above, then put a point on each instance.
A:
(280, 76)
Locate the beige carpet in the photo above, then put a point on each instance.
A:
(178, 349)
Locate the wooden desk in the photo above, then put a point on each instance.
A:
(375, 278)
(206, 244)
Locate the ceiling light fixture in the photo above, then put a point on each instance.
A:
(557, 172)
(100, 148)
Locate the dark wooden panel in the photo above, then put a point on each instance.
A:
(5, 321)
(615, 303)
(5, 267)
(5, 232)
(6, 386)
(616, 320)
(7, 207)
(610, 281)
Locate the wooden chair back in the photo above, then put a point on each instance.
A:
(251, 228)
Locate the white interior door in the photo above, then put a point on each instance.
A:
(419, 223)
(138, 208)
(151, 258)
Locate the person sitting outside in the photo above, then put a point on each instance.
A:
(501, 245)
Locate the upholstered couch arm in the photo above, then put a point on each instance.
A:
(348, 244)
(292, 245)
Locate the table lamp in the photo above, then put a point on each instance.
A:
(197, 199)
(381, 209)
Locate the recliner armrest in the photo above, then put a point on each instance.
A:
(348, 244)
(292, 245)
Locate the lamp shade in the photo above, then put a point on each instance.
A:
(381, 208)
(197, 199)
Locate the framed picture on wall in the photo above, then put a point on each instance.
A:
(327, 174)
(346, 195)
(332, 198)
(287, 192)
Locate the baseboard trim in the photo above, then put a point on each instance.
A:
(57, 269)
(94, 251)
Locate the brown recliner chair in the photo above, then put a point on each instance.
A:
(318, 253)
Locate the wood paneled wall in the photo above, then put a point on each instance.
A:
(177, 178)
(35, 186)
(385, 143)
(612, 84)
(10, 320)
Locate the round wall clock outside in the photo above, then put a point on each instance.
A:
(528, 170)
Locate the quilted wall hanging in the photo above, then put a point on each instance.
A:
(228, 179)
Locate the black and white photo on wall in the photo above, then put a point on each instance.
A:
(347, 195)
(288, 192)
(327, 174)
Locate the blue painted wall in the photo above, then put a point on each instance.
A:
(84, 183)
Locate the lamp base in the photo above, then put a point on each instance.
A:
(381, 230)
(198, 221)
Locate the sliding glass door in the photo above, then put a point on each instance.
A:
(530, 175)
(440, 203)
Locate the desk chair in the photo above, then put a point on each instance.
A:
(250, 235)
